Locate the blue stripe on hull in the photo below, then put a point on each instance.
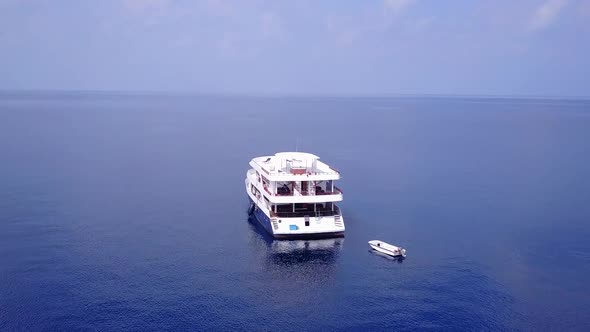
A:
(262, 218)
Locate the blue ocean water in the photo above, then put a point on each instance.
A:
(128, 212)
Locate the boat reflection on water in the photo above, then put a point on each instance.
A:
(398, 259)
(294, 273)
(296, 252)
(296, 257)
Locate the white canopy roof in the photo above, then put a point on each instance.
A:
(296, 156)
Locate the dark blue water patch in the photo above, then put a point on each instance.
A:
(129, 213)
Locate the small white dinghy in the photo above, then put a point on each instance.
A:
(387, 248)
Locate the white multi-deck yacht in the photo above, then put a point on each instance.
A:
(293, 195)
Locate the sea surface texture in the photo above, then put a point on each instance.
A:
(128, 212)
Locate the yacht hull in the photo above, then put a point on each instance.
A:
(264, 221)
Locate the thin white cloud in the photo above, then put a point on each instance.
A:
(142, 5)
(397, 6)
(584, 8)
(546, 14)
(393, 10)
(271, 25)
(376, 19)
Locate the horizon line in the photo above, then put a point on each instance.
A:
(163, 93)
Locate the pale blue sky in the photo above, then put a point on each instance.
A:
(525, 47)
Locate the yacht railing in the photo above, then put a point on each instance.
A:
(301, 214)
(299, 171)
(307, 193)
(336, 191)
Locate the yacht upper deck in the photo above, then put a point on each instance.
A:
(287, 165)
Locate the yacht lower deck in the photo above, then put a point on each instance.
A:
(297, 227)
